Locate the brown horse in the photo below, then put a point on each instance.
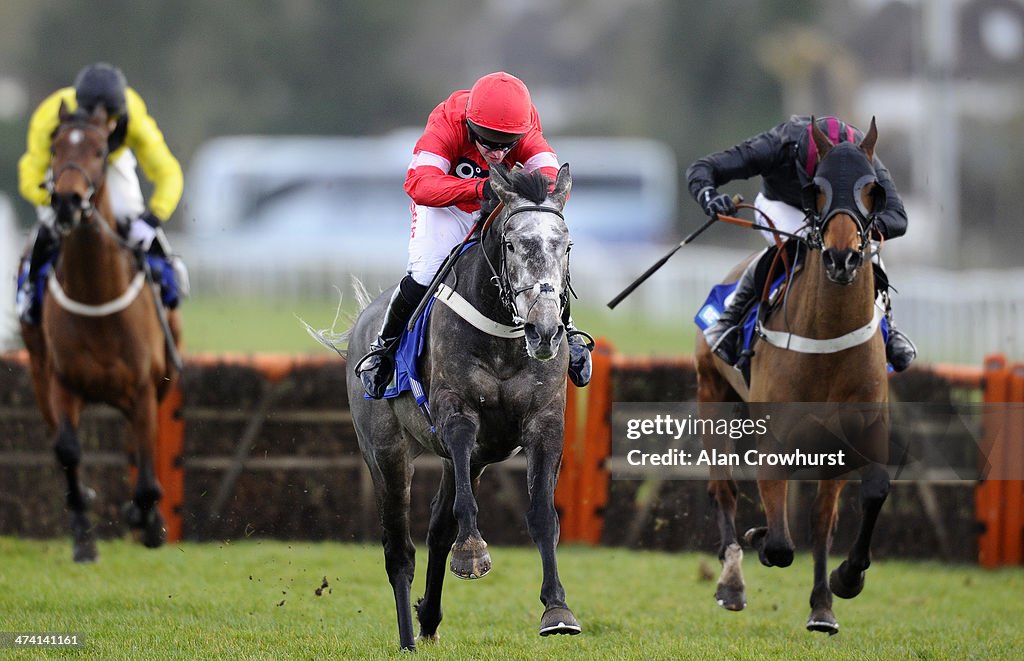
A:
(100, 338)
(821, 345)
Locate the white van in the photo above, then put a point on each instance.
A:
(262, 211)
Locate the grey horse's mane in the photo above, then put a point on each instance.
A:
(531, 185)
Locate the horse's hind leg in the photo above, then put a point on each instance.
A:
(542, 462)
(142, 512)
(470, 558)
(392, 477)
(823, 523)
(69, 454)
(730, 593)
(847, 580)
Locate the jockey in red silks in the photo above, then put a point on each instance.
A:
(494, 122)
(785, 157)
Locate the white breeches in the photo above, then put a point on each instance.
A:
(435, 231)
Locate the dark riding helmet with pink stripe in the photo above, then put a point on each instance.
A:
(836, 130)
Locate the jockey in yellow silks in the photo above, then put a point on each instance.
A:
(135, 140)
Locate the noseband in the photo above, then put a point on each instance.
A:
(507, 292)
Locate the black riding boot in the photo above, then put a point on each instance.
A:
(580, 346)
(44, 245)
(377, 367)
(899, 350)
(723, 335)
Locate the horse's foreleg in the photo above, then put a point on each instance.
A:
(142, 513)
(69, 454)
(848, 579)
(470, 558)
(35, 343)
(823, 523)
(542, 462)
(440, 537)
(730, 592)
(774, 544)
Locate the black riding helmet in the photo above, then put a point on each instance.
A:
(101, 84)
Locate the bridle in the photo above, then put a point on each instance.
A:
(86, 205)
(507, 292)
(840, 199)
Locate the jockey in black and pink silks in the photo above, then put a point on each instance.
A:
(785, 157)
(493, 122)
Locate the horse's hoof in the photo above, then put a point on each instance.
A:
(83, 540)
(85, 551)
(132, 515)
(824, 621)
(154, 534)
(559, 620)
(428, 639)
(471, 560)
(840, 586)
(731, 598)
(754, 538)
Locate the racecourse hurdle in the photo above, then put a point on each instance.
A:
(212, 454)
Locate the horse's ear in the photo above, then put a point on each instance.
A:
(868, 143)
(99, 114)
(563, 182)
(500, 182)
(63, 113)
(821, 140)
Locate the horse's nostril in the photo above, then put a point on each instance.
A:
(532, 335)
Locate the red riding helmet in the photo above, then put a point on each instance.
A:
(499, 102)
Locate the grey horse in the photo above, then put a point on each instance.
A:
(495, 373)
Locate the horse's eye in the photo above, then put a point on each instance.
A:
(509, 247)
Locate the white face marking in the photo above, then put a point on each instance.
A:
(76, 136)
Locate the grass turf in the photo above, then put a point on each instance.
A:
(256, 599)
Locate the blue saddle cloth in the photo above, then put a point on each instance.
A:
(717, 301)
(163, 274)
(410, 348)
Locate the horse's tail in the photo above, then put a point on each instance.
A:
(338, 341)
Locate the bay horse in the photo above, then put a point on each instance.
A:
(491, 394)
(833, 355)
(99, 339)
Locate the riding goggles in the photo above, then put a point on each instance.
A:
(490, 145)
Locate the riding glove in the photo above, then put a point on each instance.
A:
(489, 199)
(142, 232)
(715, 203)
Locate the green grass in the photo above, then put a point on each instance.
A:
(256, 599)
(252, 325)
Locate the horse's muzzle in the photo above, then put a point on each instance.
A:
(842, 265)
(543, 339)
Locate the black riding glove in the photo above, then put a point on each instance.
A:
(489, 200)
(715, 203)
